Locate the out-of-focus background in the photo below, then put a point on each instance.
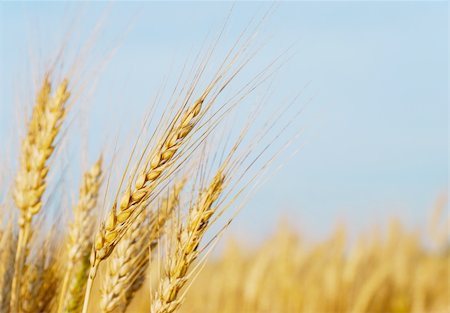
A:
(375, 140)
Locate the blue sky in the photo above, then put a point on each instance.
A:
(376, 132)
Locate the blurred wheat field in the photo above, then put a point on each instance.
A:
(388, 269)
(135, 231)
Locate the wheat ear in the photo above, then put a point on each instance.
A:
(122, 264)
(186, 251)
(162, 216)
(38, 283)
(131, 203)
(147, 180)
(80, 242)
(8, 244)
(129, 262)
(37, 147)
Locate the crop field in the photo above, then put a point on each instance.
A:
(132, 209)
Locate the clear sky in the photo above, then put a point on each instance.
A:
(376, 133)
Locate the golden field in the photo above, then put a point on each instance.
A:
(388, 269)
(135, 230)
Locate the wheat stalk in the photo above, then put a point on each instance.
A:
(80, 241)
(75, 291)
(37, 147)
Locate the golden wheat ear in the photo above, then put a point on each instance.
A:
(121, 214)
(129, 262)
(8, 245)
(122, 264)
(135, 198)
(37, 148)
(167, 299)
(80, 242)
(40, 278)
